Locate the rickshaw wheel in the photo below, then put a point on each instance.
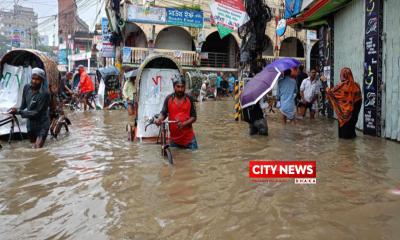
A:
(169, 156)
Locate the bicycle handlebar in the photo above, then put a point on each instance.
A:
(8, 114)
(152, 121)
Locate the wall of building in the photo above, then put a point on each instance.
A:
(174, 38)
(20, 21)
(349, 25)
(269, 48)
(276, 8)
(292, 47)
(391, 69)
(233, 53)
(66, 19)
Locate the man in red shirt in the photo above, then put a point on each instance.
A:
(86, 87)
(178, 106)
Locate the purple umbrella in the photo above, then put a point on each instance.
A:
(264, 81)
(283, 64)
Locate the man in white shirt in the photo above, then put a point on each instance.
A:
(309, 90)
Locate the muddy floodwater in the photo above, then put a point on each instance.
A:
(94, 184)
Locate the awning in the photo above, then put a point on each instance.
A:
(317, 12)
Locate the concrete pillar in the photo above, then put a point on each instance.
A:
(308, 55)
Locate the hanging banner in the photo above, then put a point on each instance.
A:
(223, 31)
(372, 68)
(107, 48)
(292, 8)
(228, 14)
(142, 14)
(105, 33)
(185, 17)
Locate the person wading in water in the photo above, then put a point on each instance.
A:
(35, 107)
(178, 106)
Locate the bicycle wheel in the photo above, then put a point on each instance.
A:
(169, 156)
(57, 129)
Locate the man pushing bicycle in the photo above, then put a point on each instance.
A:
(179, 107)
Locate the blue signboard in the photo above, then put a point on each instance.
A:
(105, 34)
(62, 57)
(292, 8)
(16, 43)
(185, 17)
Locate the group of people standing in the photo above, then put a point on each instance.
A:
(298, 92)
(225, 84)
(224, 87)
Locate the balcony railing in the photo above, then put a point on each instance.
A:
(189, 58)
(185, 58)
(215, 60)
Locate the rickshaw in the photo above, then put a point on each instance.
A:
(154, 82)
(212, 89)
(194, 81)
(110, 88)
(15, 72)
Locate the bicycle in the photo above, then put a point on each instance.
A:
(14, 121)
(162, 135)
(57, 123)
(76, 101)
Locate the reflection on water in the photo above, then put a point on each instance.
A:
(95, 184)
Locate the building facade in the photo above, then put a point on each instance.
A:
(20, 26)
(75, 40)
(196, 47)
(68, 20)
(362, 35)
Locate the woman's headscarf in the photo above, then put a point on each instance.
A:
(344, 95)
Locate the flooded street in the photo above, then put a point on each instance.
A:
(94, 184)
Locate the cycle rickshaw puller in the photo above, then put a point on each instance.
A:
(179, 107)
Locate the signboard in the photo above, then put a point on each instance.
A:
(62, 57)
(141, 14)
(107, 48)
(325, 64)
(170, 16)
(16, 43)
(126, 54)
(105, 34)
(81, 56)
(207, 22)
(228, 15)
(311, 35)
(185, 17)
(281, 27)
(372, 68)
